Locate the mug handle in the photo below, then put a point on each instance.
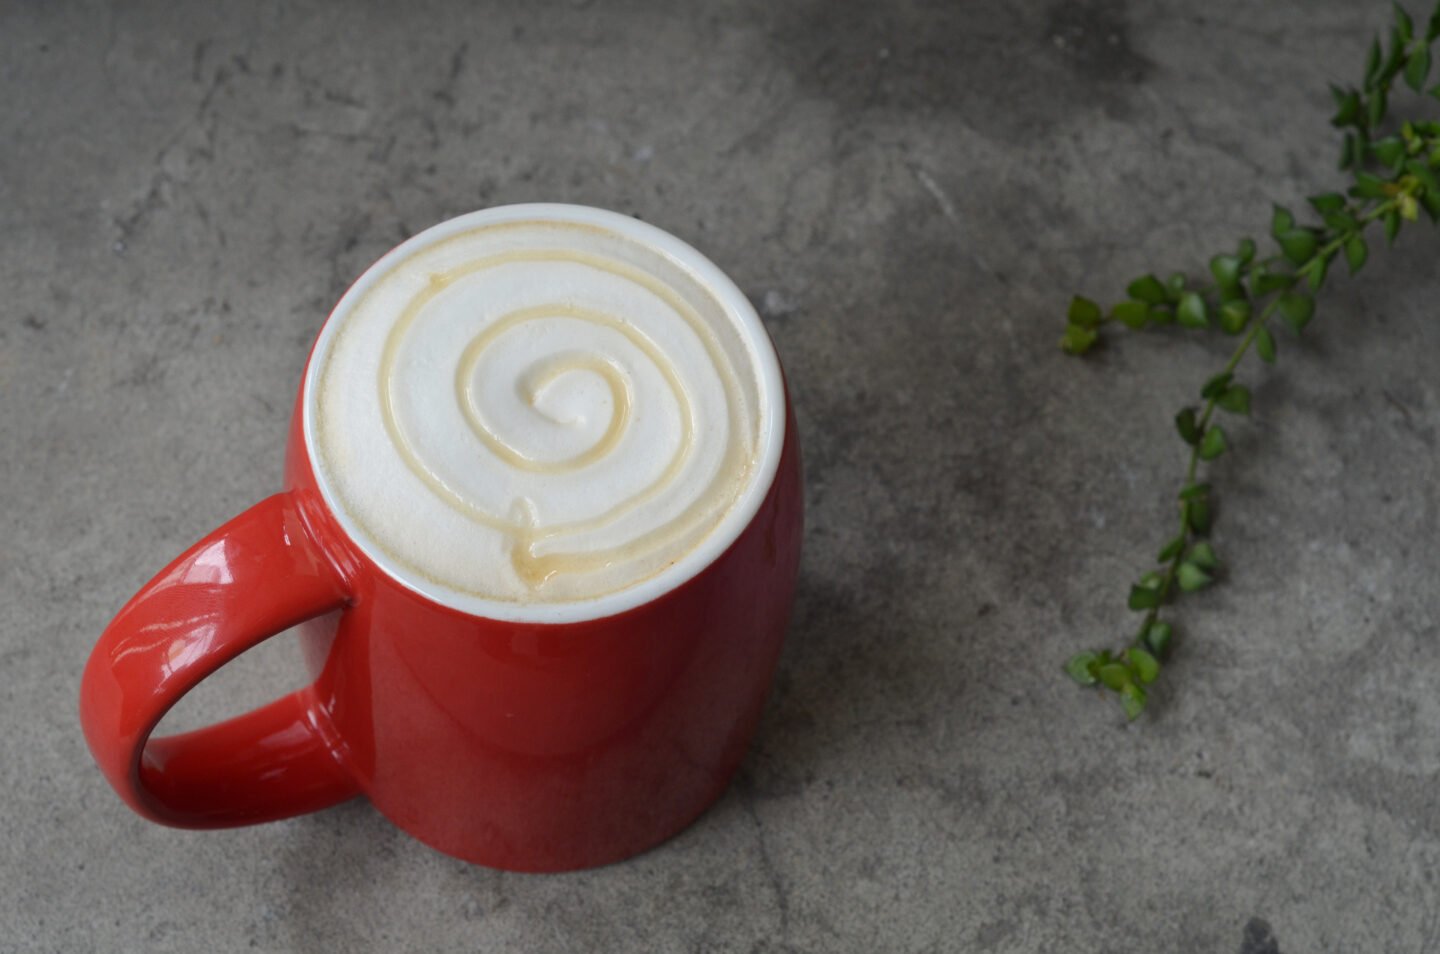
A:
(255, 576)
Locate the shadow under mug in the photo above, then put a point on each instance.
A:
(518, 745)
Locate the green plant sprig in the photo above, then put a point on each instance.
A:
(1395, 172)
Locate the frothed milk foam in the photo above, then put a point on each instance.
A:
(539, 405)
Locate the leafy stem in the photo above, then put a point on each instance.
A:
(1395, 168)
(1185, 530)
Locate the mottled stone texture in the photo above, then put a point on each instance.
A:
(910, 192)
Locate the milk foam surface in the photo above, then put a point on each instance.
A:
(534, 411)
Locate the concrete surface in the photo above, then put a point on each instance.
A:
(910, 192)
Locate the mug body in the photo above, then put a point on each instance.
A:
(547, 747)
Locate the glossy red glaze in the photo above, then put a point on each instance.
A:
(536, 747)
(255, 576)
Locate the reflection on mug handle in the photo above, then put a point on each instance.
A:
(254, 577)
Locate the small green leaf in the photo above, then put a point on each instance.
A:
(1315, 270)
(1192, 578)
(1372, 63)
(1347, 109)
(1234, 315)
(1192, 312)
(1146, 666)
(1390, 151)
(1281, 221)
(1265, 345)
(1084, 312)
(1417, 71)
(1147, 289)
(1298, 245)
(1376, 107)
(1226, 269)
(1212, 445)
(1392, 225)
(1368, 186)
(1327, 203)
(1425, 174)
(1216, 386)
(1114, 675)
(1144, 598)
(1078, 340)
(1409, 208)
(1404, 24)
(1157, 637)
(1431, 201)
(1236, 399)
(1297, 309)
(1197, 515)
(1246, 251)
(1356, 252)
(1187, 425)
(1082, 666)
(1263, 281)
(1202, 555)
(1171, 550)
(1341, 221)
(1132, 698)
(1394, 61)
(1174, 285)
(1348, 151)
(1194, 491)
(1132, 313)
(1160, 315)
(1432, 33)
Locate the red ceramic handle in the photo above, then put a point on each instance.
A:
(254, 577)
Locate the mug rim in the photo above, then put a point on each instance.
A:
(770, 389)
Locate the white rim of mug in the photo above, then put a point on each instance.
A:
(769, 386)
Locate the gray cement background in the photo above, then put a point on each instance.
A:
(910, 192)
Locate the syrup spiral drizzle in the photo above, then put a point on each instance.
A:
(563, 401)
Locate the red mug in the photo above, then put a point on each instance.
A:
(527, 740)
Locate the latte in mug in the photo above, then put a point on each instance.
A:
(536, 407)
